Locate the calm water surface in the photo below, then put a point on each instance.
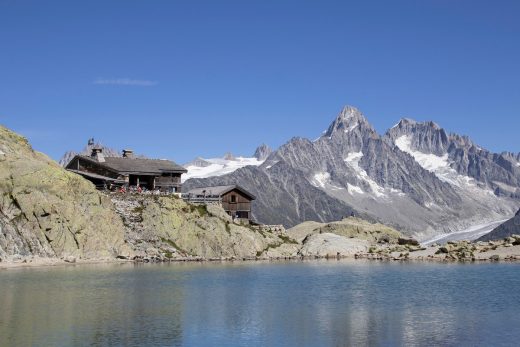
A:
(313, 303)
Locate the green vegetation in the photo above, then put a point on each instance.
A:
(269, 246)
(287, 239)
(201, 209)
(173, 244)
(138, 209)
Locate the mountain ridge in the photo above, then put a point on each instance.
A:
(428, 182)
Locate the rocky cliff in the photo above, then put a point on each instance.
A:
(48, 212)
(166, 227)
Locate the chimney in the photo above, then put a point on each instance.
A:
(97, 154)
(128, 153)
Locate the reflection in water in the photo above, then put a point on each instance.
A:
(97, 305)
(317, 303)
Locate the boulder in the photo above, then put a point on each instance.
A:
(70, 259)
(332, 245)
(407, 241)
(442, 249)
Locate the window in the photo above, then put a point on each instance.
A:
(233, 198)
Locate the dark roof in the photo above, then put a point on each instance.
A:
(219, 191)
(96, 176)
(128, 165)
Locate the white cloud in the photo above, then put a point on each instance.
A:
(125, 82)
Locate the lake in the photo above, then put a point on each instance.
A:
(307, 303)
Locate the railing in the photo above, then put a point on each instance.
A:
(201, 199)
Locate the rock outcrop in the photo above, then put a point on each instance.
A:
(349, 237)
(351, 227)
(507, 229)
(48, 212)
(332, 245)
(160, 228)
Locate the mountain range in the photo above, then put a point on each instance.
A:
(416, 177)
(202, 167)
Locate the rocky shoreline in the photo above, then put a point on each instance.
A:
(506, 250)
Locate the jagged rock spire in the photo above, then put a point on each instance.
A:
(262, 152)
(348, 120)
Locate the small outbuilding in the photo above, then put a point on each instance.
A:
(128, 170)
(235, 200)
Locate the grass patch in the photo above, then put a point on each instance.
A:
(173, 244)
(139, 211)
(287, 239)
(201, 209)
(269, 246)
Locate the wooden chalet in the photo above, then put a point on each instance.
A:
(127, 171)
(235, 200)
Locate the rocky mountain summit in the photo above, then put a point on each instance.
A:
(69, 155)
(452, 156)
(262, 152)
(416, 177)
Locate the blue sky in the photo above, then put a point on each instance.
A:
(178, 79)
